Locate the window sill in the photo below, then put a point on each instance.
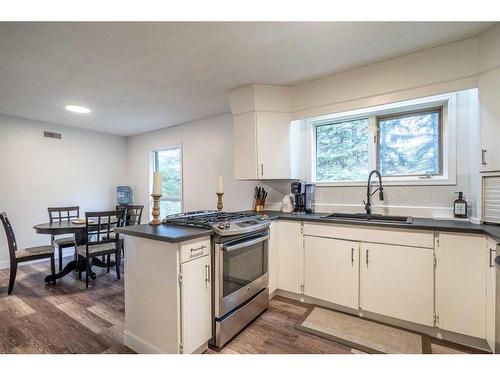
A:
(392, 181)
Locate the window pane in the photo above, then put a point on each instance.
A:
(169, 208)
(168, 162)
(409, 145)
(342, 151)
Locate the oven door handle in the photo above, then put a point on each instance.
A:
(245, 243)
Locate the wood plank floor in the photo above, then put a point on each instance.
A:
(67, 318)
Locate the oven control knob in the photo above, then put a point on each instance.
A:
(227, 225)
(221, 226)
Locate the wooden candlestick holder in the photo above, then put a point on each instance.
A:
(156, 209)
(219, 201)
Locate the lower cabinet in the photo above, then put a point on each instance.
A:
(196, 303)
(273, 257)
(446, 280)
(290, 254)
(331, 270)
(462, 264)
(398, 281)
(491, 294)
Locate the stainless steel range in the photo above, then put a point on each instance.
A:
(240, 267)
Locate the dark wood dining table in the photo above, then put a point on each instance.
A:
(80, 233)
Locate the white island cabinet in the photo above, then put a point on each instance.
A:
(167, 295)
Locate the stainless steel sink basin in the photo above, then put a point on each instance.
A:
(371, 217)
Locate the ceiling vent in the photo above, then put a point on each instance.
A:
(52, 135)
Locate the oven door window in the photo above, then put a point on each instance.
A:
(243, 266)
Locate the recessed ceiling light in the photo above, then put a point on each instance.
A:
(77, 109)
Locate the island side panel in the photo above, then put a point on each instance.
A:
(152, 298)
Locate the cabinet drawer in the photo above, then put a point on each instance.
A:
(194, 249)
(394, 236)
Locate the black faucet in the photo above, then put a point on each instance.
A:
(380, 189)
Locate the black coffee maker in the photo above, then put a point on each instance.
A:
(303, 197)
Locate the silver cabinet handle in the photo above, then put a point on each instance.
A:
(491, 258)
(195, 249)
(262, 169)
(367, 251)
(352, 256)
(207, 273)
(483, 157)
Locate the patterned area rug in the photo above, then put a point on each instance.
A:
(365, 335)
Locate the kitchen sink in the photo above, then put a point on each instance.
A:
(372, 217)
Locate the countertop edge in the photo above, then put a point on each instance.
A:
(165, 238)
(440, 225)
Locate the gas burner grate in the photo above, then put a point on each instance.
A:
(204, 219)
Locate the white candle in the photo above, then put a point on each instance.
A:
(157, 179)
(219, 184)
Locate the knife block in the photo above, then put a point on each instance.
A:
(258, 205)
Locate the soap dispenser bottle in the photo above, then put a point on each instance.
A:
(460, 206)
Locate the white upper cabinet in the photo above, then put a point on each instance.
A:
(261, 133)
(489, 98)
(261, 146)
(462, 266)
(245, 146)
(273, 146)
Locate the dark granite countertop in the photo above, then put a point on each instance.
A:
(174, 233)
(165, 232)
(418, 223)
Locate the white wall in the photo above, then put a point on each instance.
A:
(83, 168)
(207, 152)
(448, 68)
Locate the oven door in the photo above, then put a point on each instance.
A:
(241, 271)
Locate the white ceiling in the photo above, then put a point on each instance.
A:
(138, 77)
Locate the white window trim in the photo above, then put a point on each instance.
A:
(449, 142)
(151, 163)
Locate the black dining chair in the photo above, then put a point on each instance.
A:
(102, 240)
(59, 214)
(24, 255)
(131, 216)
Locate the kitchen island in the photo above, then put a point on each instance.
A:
(167, 289)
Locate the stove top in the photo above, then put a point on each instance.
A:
(223, 223)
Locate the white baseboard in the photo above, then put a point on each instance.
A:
(68, 252)
(138, 345)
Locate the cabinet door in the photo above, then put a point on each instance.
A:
(462, 264)
(331, 270)
(491, 294)
(245, 146)
(273, 256)
(196, 303)
(290, 252)
(489, 97)
(398, 281)
(273, 140)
